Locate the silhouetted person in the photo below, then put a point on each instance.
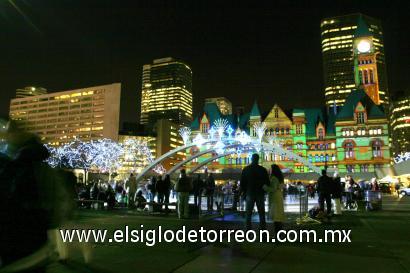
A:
(324, 188)
(140, 201)
(160, 188)
(167, 190)
(210, 190)
(253, 178)
(198, 185)
(151, 187)
(34, 198)
(132, 188)
(337, 193)
(183, 188)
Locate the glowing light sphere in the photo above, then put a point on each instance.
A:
(363, 46)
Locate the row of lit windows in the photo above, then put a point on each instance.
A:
(321, 158)
(323, 146)
(361, 132)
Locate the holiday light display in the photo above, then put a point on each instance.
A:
(260, 128)
(136, 150)
(185, 133)
(220, 126)
(102, 155)
(402, 157)
(226, 144)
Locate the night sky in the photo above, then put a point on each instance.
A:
(242, 52)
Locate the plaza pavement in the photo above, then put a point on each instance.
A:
(380, 244)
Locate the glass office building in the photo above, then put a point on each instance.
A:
(88, 113)
(166, 92)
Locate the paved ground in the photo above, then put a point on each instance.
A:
(380, 243)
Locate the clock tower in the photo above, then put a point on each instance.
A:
(365, 62)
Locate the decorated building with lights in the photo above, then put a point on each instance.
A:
(354, 141)
(166, 92)
(353, 40)
(88, 114)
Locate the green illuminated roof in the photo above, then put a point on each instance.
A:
(314, 116)
(356, 96)
(212, 111)
(362, 29)
(255, 112)
(195, 124)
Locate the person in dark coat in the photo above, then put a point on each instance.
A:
(167, 190)
(198, 185)
(152, 189)
(210, 190)
(324, 188)
(253, 178)
(337, 193)
(34, 198)
(160, 188)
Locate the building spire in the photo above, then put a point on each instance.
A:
(362, 29)
(255, 112)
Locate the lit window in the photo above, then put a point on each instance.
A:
(360, 117)
(377, 148)
(349, 150)
(321, 134)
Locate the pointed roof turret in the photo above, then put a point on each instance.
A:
(362, 29)
(255, 110)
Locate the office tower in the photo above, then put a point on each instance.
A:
(224, 105)
(29, 91)
(346, 41)
(166, 92)
(86, 113)
(400, 123)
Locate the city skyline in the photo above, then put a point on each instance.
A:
(254, 57)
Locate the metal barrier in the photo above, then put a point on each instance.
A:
(304, 217)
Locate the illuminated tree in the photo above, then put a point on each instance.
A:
(106, 155)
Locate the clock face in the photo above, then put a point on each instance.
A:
(363, 46)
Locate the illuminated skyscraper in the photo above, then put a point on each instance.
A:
(400, 122)
(166, 92)
(29, 91)
(88, 113)
(344, 53)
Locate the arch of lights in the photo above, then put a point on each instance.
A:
(223, 140)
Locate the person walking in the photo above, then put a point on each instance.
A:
(160, 189)
(210, 190)
(131, 185)
(198, 185)
(253, 178)
(183, 188)
(397, 188)
(151, 187)
(167, 190)
(275, 197)
(324, 188)
(337, 193)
